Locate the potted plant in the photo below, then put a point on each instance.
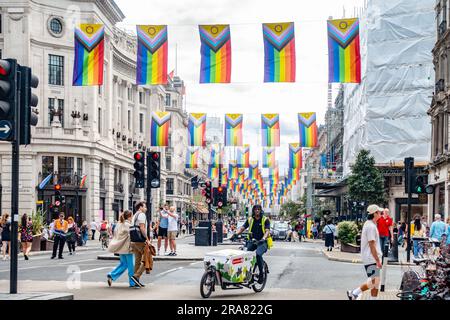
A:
(37, 225)
(347, 233)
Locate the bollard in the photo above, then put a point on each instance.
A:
(384, 266)
(393, 254)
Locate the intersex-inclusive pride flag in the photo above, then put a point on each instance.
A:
(224, 181)
(295, 155)
(233, 129)
(241, 176)
(344, 58)
(216, 156)
(307, 129)
(152, 54)
(197, 129)
(243, 156)
(89, 55)
(213, 173)
(160, 129)
(268, 157)
(215, 53)
(294, 175)
(270, 130)
(279, 49)
(192, 155)
(253, 170)
(233, 172)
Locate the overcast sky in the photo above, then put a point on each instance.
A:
(247, 93)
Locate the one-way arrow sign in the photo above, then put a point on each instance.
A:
(5, 129)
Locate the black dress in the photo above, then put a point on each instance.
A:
(6, 232)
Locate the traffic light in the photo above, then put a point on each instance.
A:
(154, 170)
(194, 182)
(208, 189)
(220, 197)
(409, 175)
(420, 187)
(58, 196)
(28, 100)
(8, 98)
(139, 172)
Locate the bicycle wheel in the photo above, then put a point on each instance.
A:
(206, 284)
(408, 295)
(258, 287)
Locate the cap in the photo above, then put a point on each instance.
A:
(373, 208)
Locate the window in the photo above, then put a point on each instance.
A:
(129, 119)
(0, 54)
(169, 186)
(142, 97)
(1, 23)
(55, 70)
(56, 26)
(65, 166)
(398, 180)
(174, 103)
(99, 120)
(79, 167)
(168, 99)
(130, 94)
(52, 112)
(169, 163)
(120, 91)
(48, 166)
(141, 122)
(102, 171)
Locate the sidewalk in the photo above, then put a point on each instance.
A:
(90, 245)
(337, 255)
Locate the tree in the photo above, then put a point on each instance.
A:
(366, 183)
(291, 209)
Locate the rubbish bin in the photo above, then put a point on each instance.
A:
(219, 229)
(202, 236)
(214, 236)
(207, 224)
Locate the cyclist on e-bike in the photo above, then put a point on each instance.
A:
(259, 229)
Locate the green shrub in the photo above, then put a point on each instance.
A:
(347, 232)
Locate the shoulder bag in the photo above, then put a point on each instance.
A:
(135, 232)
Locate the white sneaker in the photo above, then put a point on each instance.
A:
(4, 258)
(351, 296)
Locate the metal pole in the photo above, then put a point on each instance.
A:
(15, 191)
(408, 228)
(384, 268)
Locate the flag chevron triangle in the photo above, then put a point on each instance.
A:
(152, 36)
(161, 117)
(278, 34)
(343, 31)
(197, 118)
(270, 119)
(233, 119)
(307, 118)
(214, 36)
(295, 147)
(270, 151)
(90, 35)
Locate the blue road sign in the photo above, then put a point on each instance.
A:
(5, 129)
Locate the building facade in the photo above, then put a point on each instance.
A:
(82, 131)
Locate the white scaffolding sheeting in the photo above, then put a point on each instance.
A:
(387, 112)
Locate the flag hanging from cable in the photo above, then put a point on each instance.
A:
(160, 126)
(308, 129)
(197, 129)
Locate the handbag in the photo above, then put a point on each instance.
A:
(136, 234)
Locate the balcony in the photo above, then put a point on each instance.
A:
(118, 187)
(440, 86)
(169, 192)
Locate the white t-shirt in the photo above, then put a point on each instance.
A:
(139, 218)
(93, 225)
(173, 225)
(369, 233)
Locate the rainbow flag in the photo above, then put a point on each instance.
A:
(241, 176)
(152, 54)
(233, 129)
(270, 130)
(279, 52)
(253, 170)
(160, 129)
(243, 156)
(294, 176)
(308, 129)
(274, 176)
(213, 173)
(216, 53)
(233, 172)
(216, 156)
(268, 157)
(89, 55)
(197, 129)
(192, 157)
(344, 57)
(295, 155)
(224, 177)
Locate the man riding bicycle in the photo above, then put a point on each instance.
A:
(259, 229)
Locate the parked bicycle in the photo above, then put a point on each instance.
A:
(104, 238)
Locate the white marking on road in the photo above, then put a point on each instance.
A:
(96, 269)
(77, 261)
(168, 271)
(194, 263)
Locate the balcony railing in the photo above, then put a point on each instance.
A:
(169, 192)
(440, 86)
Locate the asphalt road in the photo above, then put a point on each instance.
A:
(291, 265)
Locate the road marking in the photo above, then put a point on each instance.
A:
(194, 263)
(92, 270)
(75, 262)
(168, 271)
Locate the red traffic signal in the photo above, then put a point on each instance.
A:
(57, 187)
(155, 155)
(139, 156)
(220, 189)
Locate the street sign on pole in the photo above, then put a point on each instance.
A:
(5, 129)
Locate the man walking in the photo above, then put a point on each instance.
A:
(438, 228)
(371, 255)
(385, 228)
(60, 229)
(163, 225)
(172, 230)
(139, 219)
(93, 229)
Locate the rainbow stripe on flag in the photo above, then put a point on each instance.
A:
(253, 170)
(344, 57)
(89, 55)
(225, 180)
(213, 173)
(192, 155)
(308, 129)
(233, 129)
(152, 54)
(295, 156)
(269, 158)
(197, 129)
(216, 156)
(160, 126)
(243, 156)
(215, 53)
(279, 52)
(270, 130)
(233, 172)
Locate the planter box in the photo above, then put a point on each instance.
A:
(350, 248)
(36, 244)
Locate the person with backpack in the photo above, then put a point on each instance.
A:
(259, 229)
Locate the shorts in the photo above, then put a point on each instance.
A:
(172, 235)
(162, 232)
(372, 271)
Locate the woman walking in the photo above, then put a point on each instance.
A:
(26, 235)
(5, 224)
(84, 232)
(329, 231)
(418, 235)
(71, 236)
(120, 244)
